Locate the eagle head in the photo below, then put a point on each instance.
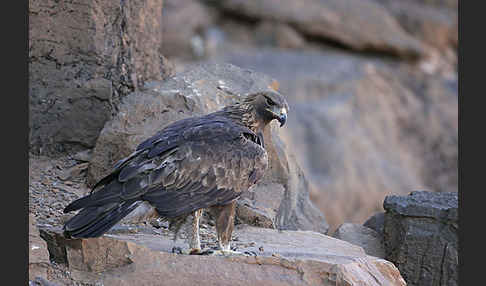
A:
(270, 105)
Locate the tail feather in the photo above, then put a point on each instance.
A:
(112, 218)
(94, 221)
(109, 194)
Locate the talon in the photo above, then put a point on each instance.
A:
(177, 250)
(206, 251)
(195, 251)
(250, 253)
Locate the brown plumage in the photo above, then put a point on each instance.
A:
(192, 164)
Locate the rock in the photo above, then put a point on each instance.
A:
(421, 236)
(183, 25)
(370, 240)
(247, 213)
(143, 213)
(357, 24)
(449, 4)
(435, 25)
(277, 34)
(73, 172)
(376, 222)
(82, 60)
(38, 254)
(83, 156)
(281, 197)
(288, 258)
(361, 127)
(55, 243)
(433, 133)
(39, 281)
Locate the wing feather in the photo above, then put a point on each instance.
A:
(188, 166)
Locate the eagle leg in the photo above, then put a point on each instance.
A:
(225, 221)
(194, 240)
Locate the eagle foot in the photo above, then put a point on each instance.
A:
(221, 252)
(250, 253)
(199, 251)
(192, 251)
(177, 250)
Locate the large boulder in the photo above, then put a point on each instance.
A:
(279, 258)
(360, 127)
(280, 200)
(357, 24)
(421, 236)
(82, 60)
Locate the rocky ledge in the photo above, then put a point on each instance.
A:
(277, 258)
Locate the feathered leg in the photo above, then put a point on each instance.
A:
(194, 240)
(192, 234)
(225, 221)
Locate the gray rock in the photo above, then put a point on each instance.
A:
(247, 213)
(39, 281)
(421, 236)
(277, 34)
(73, 172)
(358, 24)
(436, 25)
(441, 206)
(183, 25)
(376, 222)
(282, 197)
(84, 156)
(370, 240)
(82, 60)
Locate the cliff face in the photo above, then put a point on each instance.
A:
(373, 93)
(373, 84)
(83, 58)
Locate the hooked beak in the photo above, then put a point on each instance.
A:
(282, 118)
(280, 115)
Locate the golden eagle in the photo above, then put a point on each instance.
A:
(192, 164)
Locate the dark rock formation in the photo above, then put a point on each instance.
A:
(421, 236)
(83, 58)
(376, 222)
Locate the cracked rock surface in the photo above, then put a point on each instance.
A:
(421, 236)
